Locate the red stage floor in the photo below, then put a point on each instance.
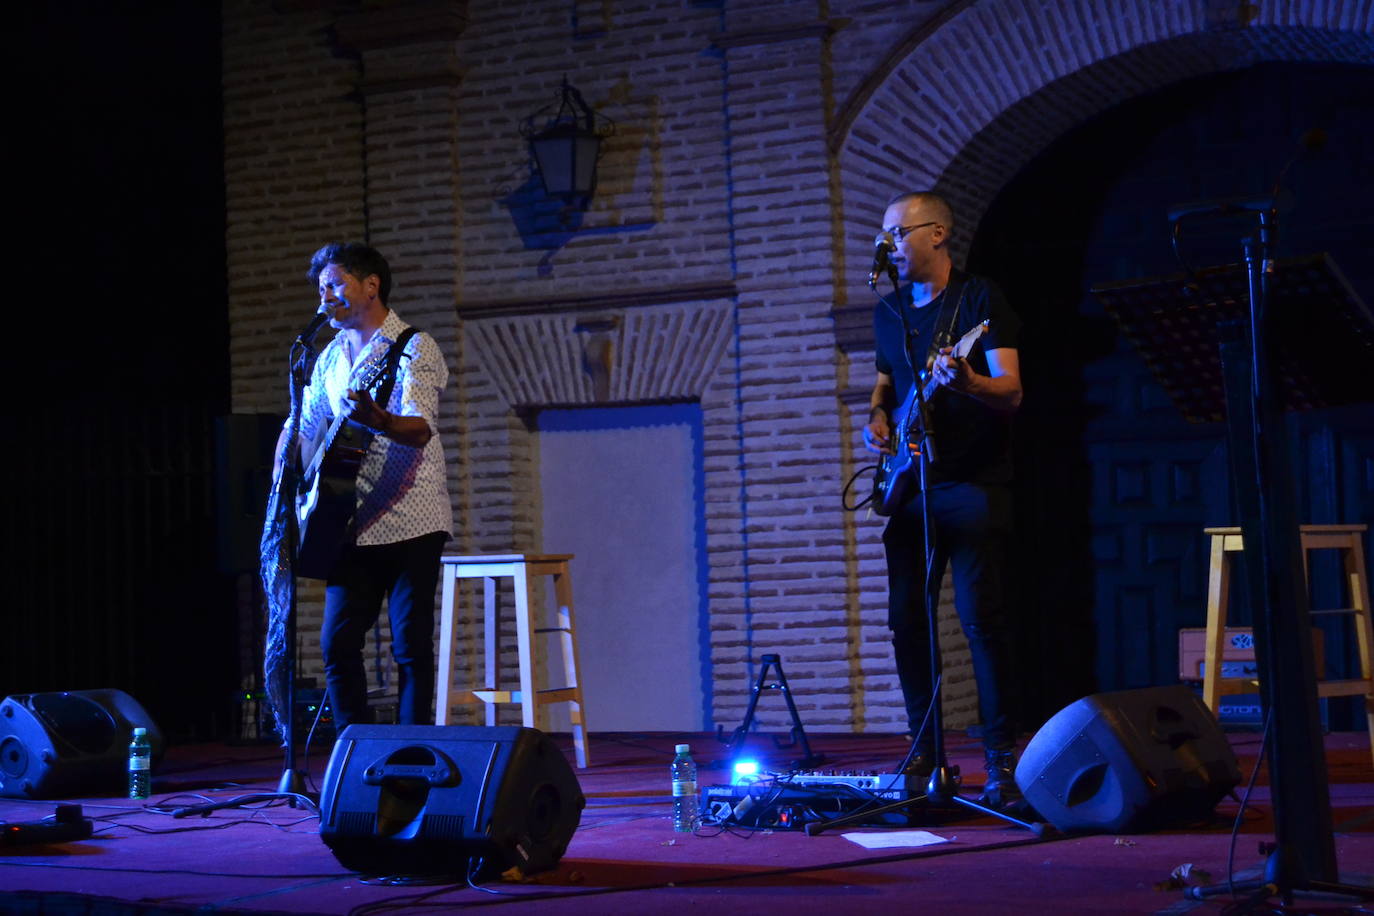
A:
(624, 857)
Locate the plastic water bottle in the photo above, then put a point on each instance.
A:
(140, 765)
(685, 806)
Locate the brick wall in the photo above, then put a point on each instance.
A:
(722, 256)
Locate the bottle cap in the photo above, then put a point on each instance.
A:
(683, 748)
(140, 732)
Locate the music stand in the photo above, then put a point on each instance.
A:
(1243, 342)
(1324, 333)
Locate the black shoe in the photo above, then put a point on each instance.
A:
(1000, 790)
(918, 771)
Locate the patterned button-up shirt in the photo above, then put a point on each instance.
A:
(402, 490)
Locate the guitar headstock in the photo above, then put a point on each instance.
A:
(965, 345)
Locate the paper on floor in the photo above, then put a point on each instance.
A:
(893, 839)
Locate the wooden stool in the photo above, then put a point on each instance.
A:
(1345, 538)
(520, 568)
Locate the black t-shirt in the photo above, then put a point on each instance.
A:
(972, 440)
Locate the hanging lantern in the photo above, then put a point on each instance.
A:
(566, 148)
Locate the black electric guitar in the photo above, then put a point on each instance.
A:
(895, 471)
(327, 499)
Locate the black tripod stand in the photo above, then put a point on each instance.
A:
(279, 573)
(941, 791)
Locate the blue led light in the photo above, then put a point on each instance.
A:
(745, 770)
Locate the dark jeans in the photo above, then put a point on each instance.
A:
(407, 573)
(972, 526)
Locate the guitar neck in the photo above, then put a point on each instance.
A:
(326, 444)
(337, 424)
(929, 384)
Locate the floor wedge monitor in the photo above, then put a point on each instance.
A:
(1129, 761)
(70, 743)
(448, 800)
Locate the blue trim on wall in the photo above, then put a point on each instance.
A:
(733, 234)
(681, 414)
(570, 419)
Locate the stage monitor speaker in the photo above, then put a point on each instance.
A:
(56, 745)
(1127, 762)
(431, 799)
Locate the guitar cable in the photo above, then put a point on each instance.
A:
(844, 494)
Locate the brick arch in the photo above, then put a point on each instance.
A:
(1003, 79)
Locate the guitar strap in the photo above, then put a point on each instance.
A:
(393, 363)
(949, 315)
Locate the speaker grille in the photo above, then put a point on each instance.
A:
(358, 823)
(443, 826)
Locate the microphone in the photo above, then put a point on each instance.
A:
(325, 313)
(883, 246)
(1278, 200)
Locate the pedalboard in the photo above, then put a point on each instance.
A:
(888, 785)
(792, 802)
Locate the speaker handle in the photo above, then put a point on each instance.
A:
(441, 772)
(1172, 728)
(1175, 738)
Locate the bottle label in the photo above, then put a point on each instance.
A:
(683, 787)
(138, 764)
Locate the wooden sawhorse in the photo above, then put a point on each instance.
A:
(520, 568)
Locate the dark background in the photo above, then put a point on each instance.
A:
(113, 536)
(1115, 486)
(110, 542)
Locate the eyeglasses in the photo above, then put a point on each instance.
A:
(901, 232)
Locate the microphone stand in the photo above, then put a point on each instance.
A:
(292, 781)
(942, 791)
(288, 483)
(303, 356)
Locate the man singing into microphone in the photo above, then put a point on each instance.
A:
(968, 493)
(403, 512)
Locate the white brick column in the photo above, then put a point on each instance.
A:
(793, 594)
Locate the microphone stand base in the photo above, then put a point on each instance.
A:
(291, 783)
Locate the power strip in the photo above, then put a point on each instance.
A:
(68, 827)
